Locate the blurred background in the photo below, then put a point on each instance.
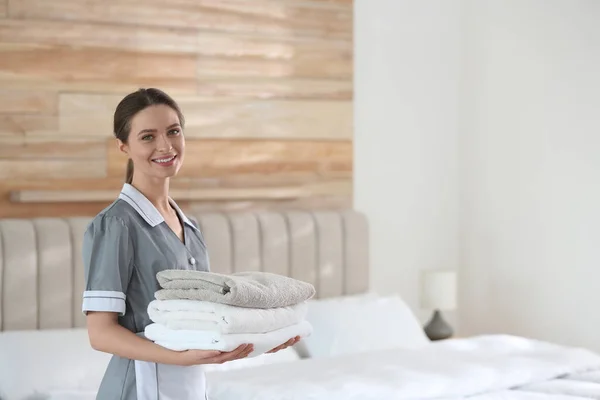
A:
(466, 130)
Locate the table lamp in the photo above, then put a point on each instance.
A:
(438, 293)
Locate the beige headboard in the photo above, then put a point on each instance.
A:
(41, 271)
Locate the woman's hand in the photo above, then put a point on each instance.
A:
(287, 344)
(195, 357)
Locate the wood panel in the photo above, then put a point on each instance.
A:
(27, 101)
(341, 187)
(52, 150)
(268, 119)
(266, 87)
(99, 36)
(64, 209)
(219, 54)
(327, 195)
(273, 17)
(278, 88)
(222, 57)
(173, 86)
(348, 2)
(220, 118)
(243, 56)
(48, 67)
(28, 124)
(52, 160)
(178, 183)
(313, 203)
(51, 169)
(219, 158)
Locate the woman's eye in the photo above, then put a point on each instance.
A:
(147, 137)
(174, 132)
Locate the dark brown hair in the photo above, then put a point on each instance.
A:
(130, 106)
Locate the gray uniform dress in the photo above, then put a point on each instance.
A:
(124, 247)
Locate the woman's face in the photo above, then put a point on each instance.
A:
(156, 144)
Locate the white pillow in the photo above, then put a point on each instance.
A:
(43, 362)
(360, 323)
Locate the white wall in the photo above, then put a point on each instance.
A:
(520, 218)
(530, 169)
(406, 99)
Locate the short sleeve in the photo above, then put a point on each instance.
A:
(107, 259)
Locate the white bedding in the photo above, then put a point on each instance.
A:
(484, 367)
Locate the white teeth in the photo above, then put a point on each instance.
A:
(164, 160)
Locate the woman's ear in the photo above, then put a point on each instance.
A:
(123, 148)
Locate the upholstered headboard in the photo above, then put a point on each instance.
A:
(41, 271)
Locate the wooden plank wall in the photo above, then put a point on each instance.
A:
(265, 85)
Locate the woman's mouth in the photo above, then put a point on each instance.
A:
(165, 161)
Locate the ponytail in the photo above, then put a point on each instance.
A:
(129, 172)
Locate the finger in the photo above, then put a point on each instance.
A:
(247, 349)
(247, 352)
(286, 344)
(226, 356)
(241, 355)
(241, 350)
(276, 349)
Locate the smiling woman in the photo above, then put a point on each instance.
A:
(142, 233)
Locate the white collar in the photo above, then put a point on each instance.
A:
(146, 209)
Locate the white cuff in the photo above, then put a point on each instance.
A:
(103, 300)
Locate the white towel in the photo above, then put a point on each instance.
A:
(210, 340)
(223, 318)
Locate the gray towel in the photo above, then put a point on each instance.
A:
(241, 289)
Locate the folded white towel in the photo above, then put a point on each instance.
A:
(205, 315)
(210, 340)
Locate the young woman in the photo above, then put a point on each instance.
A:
(141, 233)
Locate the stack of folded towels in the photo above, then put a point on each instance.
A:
(211, 311)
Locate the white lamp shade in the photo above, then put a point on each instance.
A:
(439, 290)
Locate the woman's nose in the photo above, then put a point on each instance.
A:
(163, 143)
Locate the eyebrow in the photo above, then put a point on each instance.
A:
(154, 130)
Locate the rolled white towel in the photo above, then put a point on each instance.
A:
(223, 318)
(179, 340)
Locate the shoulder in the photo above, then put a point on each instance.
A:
(115, 217)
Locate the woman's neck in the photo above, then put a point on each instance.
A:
(157, 191)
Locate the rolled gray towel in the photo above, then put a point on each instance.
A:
(242, 289)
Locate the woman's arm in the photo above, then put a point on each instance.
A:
(108, 336)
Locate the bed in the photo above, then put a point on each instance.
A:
(364, 346)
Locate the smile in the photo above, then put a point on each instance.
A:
(165, 160)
